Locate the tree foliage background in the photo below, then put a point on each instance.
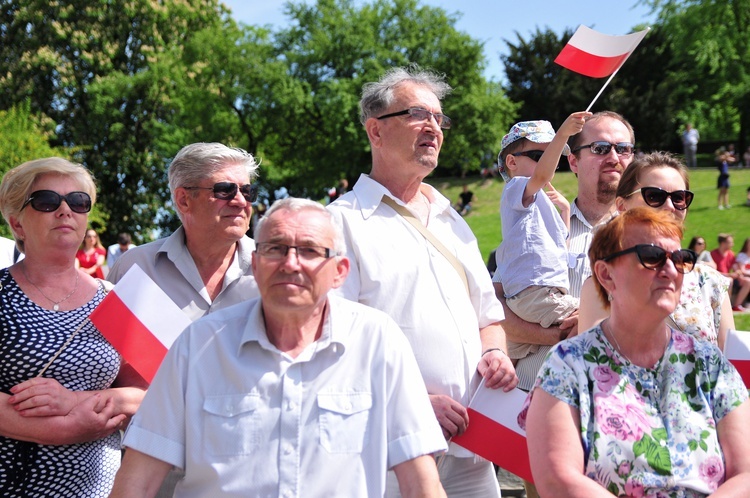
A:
(122, 86)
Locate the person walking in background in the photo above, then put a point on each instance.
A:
(690, 138)
(414, 257)
(114, 251)
(91, 256)
(723, 158)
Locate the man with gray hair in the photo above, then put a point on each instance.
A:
(297, 393)
(205, 264)
(414, 257)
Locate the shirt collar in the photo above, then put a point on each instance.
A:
(370, 193)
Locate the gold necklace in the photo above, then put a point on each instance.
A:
(55, 304)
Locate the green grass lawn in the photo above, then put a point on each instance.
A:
(704, 219)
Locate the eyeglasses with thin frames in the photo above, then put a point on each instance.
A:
(226, 191)
(47, 201)
(420, 114)
(653, 257)
(656, 197)
(602, 148)
(274, 251)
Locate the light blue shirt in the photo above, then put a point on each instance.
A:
(533, 251)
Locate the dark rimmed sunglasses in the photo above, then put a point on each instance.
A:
(656, 197)
(654, 257)
(48, 201)
(602, 148)
(534, 155)
(226, 191)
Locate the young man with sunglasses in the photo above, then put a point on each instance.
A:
(532, 260)
(205, 265)
(414, 257)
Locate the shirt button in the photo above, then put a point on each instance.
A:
(292, 405)
(288, 450)
(663, 443)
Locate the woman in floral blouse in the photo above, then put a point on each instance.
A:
(634, 407)
(660, 181)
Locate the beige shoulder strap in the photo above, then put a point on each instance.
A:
(406, 214)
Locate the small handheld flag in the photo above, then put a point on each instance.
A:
(140, 321)
(737, 351)
(493, 431)
(597, 55)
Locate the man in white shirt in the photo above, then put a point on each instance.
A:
(690, 138)
(294, 394)
(443, 301)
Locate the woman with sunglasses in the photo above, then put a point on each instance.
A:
(698, 245)
(634, 407)
(64, 392)
(91, 255)
(660, 181)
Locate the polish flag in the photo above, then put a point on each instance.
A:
(493, 431)
(737, 351)
(140, 321)
(595, 54)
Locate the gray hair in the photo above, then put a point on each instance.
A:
(378, 96)
(17, 183)
(295, 204)
(196, 162)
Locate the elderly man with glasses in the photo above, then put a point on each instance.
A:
(414, 257)
(297, 393)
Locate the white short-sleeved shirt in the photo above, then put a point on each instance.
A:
(396, 270)
(169, 264)
(244, 419)
(534, 251)
(114, 252)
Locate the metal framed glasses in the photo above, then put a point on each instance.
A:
(274, 251)
(656, 197)
(420, 114)
(602, 148)
(48, 201)
(226, 191)
(654, 257)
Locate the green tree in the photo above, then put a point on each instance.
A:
(333, 47)
(94, 68)
(710, 43)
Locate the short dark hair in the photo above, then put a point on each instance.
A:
(123, 239)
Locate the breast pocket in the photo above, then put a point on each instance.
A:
(343, 419)
(231, 424)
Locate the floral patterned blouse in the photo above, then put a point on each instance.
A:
(646, 432)
(699, 311)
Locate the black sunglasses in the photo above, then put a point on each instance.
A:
(534, 155)
(226, 191)
(656, 197)
(420, 114)
(653, 257)
(48, 201)
(602, 148)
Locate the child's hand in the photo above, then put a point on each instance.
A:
(557, 198)
(574, 124)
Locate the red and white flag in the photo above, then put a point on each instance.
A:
(140, 321)
(737, 351)
(595, 54)
(493, 431)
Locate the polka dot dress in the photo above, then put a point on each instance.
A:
(29, 337)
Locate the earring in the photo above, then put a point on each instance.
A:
(610, 298)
